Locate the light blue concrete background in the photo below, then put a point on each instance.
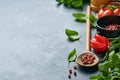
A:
(33, 44)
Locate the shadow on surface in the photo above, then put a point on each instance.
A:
(88, 69)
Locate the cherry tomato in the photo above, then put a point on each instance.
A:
(117, 11)
(104, 12)
(107, 12)
(100, 13)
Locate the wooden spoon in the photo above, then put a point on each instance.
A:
(79, 58)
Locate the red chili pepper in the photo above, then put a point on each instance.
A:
(99, 43)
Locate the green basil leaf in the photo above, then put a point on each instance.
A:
(80, 17)
(59, 1)
(77, 3)
(73, 3)
(72, 56)
(72, 35)
(68, 2)
(97, 77)
(92, 20)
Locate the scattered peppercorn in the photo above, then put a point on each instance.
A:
(70, 71)
(112, 27)
(75, 67)
(69, 76)
(75, 73)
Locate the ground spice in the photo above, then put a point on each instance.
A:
(112, 27)
(69, 76)
(75, 67)
(75, 73)
(87, 58)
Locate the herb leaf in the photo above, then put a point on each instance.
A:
(92, 20)
(81, 17)
(77, 3)
(72, 56)
(72, 35)
(96, 77)
(59, 1)
(68, 2)
(71, 3)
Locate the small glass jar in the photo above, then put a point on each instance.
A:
(95, 4)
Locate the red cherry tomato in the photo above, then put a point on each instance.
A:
(100, 13)
(107, 12)
(104, 12)
(117, 11)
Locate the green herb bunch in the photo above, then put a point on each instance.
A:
(110, 68)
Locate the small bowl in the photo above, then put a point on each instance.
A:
(80, 62)
(108, 20)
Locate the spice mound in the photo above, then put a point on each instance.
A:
(112, 27)
(87, 59)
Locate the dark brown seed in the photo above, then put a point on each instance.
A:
(70, 71)
(69, 76)
(75, 67)
(75, 73)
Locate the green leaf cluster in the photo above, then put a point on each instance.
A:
(72, 35)
(114, 45)
(110, 68)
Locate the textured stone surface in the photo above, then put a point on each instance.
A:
(33, 44)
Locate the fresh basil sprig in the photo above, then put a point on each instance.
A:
(77, 3)
(72, 35)
(72, 56)
(60, 1)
